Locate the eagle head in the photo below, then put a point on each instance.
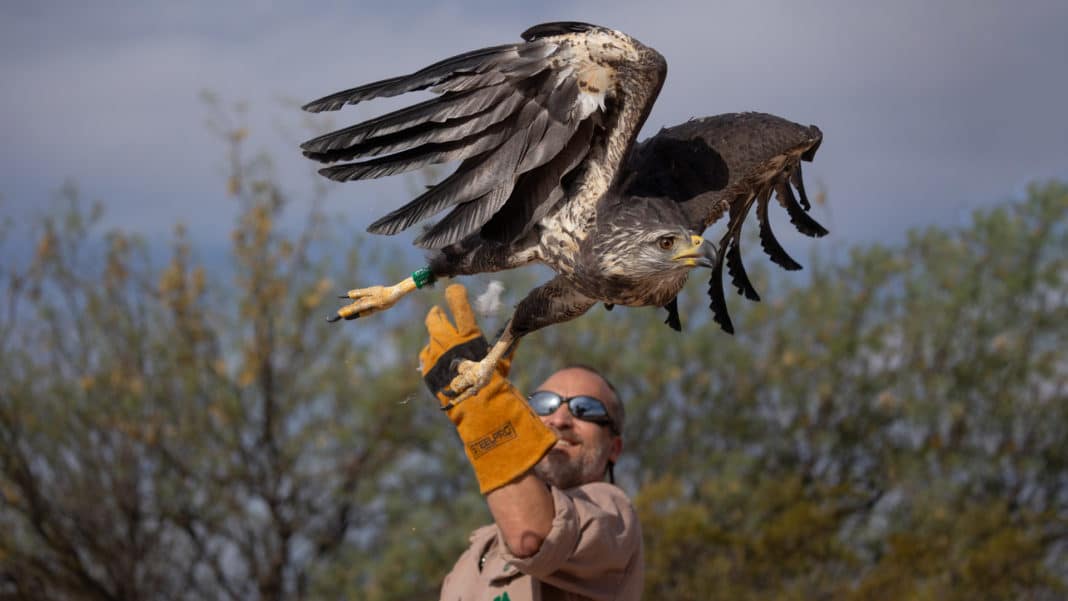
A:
(640, 238)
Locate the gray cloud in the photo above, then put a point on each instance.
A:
(929, 109)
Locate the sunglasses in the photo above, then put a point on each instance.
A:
(583, 407)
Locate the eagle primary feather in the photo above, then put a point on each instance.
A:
(544, 132)
(724, 165)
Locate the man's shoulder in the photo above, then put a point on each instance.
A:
(600, 498)
(609, 498)
(600, 493)
(598, 501)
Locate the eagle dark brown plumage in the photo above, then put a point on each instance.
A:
(544, 132)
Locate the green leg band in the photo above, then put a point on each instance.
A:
(423, 277)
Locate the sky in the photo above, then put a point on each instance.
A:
(929, 109)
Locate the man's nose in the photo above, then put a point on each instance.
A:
(561, 418)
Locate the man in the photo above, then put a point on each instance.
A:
(559, 531)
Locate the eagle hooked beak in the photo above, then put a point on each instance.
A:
(701, 253)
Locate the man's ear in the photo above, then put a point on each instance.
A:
(615, 449)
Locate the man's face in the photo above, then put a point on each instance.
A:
(584, 449)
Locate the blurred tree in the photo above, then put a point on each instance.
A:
(164, 435)
(895, 430)
(890, 428)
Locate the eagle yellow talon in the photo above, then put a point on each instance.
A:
(373, 299)
(471, 376)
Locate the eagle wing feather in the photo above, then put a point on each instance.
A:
(513, 115)
(724, 165)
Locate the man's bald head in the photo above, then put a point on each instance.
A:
(585, 450)
(577, 380)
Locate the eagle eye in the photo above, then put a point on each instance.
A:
(666, 242)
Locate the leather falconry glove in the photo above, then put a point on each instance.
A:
(502, 436)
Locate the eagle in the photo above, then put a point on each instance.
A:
(550, 172)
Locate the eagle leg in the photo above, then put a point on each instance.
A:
(376, 299)
(554, 302)
(471, 376)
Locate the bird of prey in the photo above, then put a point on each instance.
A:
(544, 131)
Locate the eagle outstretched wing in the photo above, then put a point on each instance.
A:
(724, 165)
(519, 117)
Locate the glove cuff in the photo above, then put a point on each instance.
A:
(502, 437)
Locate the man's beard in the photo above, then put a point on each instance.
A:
(564, 471)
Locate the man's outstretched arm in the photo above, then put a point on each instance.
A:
(523, 510)
(502, 437)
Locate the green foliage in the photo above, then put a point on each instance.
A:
(167, 436)
(890, 429)
(894, 431)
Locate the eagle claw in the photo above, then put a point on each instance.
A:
(369, 300)
(471, 376)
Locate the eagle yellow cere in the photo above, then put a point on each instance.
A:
(544, 131)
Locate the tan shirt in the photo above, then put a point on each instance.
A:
(593, 551)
